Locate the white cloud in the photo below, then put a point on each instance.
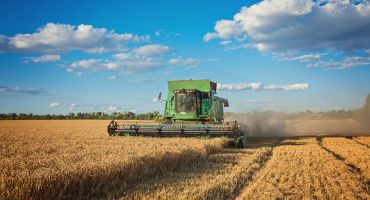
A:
(184, 61)
(256, 101)
(239, 86)
(113, 77)
(158, 32)
(122, 56)
(307, 57)
(64, 37)
(44, 58)
(152, 49)
(86, 64)
(327, 60)
(112, 108)
(90, 107)
(226, 42)
(260, 86)
(209, 36)
(19, 90)
(142, 59)
(296, 86)
(69, 70)
(299, 25)
(107, 108)
(347, 62)
(165, 34)
(128, 66)
(327, 34)
(55, 104)
(225, 29)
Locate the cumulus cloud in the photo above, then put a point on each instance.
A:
(165, 34)
(158, 32)
(44, 58)
(299, 25)
(128, 66)
(142, 59)
(55, 104)
(122, 56)
(260, 86)
(307, 58)
(239, 86)
(256, 101)
(113, 77)
(184, 61)
(152, 49)
(130, 53)
(18, 90)
(225, 29)
(55, 37)
(86, 64)
(347, 62)
(90, 107)
(69, 70)
(296, 86)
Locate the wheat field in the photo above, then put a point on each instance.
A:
(76, 159)
(353, 153)
(301, 169)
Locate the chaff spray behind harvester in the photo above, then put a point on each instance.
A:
(191, 109)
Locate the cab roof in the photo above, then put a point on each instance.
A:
(201, 85)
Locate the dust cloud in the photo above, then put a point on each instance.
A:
(271, 124)
(260, 124)
(279, 124)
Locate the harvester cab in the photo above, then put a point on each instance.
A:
(194, 100)
(191, 110)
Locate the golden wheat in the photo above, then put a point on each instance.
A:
(352, 152)
(363, 140)
(76, 159)
(301, 169)
(221, 176)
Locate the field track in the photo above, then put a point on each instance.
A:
(77, 160)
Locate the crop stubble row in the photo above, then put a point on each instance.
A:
(301, 169)
(353, 153)
(76, 159)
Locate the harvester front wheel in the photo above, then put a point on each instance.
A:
(239, 143)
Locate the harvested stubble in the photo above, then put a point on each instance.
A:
(353, 153)
(301, 169)
(221, 176)
(363, 140)
(76, 159)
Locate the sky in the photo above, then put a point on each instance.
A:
(67, 56)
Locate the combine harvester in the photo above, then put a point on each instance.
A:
(191, 110)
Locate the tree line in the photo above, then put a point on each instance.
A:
(80, 115)
(362, 114)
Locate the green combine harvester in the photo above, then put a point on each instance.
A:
(191, 110)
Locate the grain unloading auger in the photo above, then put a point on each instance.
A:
(191, 110)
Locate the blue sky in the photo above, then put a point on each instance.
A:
(89, 56)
